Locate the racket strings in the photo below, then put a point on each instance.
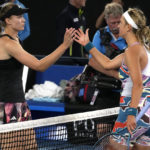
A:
(103, 144)
(108, 141)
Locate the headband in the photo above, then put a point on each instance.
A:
(130, 20)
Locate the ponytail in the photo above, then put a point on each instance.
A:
(143, 36)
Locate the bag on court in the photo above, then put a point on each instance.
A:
(82, 87)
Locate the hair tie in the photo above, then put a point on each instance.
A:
(130, 20)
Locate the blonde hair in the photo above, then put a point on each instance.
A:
(143, 32)
(3, 10)
(113, 9)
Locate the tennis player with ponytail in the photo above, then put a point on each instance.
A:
(133, 69)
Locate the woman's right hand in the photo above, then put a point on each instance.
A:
(68, 37)
(81, 37)
(131, 123)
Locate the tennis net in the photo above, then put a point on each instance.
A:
(69, 132)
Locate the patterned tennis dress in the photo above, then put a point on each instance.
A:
(141, 134)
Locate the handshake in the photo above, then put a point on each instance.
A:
(79, 36)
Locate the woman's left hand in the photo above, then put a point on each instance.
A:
(68, 37)
(131, 123)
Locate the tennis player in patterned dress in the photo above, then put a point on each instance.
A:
(134, 73)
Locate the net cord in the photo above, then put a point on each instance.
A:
(58, 120)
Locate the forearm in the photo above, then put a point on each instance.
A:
(136, 95)
(49, 60)
(100, 58)
(98, 67)
(54, 56)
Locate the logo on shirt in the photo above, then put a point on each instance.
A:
(13, 118)
(75, 19)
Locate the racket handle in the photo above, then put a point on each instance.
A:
(142, 112)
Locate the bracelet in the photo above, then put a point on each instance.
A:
(88, 46)
(131, 111)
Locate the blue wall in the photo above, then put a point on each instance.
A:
(56, 73)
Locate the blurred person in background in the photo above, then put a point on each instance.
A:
(101, 19)
(71, 16)
(108, 42)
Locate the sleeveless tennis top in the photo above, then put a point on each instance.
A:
(126, 79)
(11, 89)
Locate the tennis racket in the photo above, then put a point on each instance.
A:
(104, 142)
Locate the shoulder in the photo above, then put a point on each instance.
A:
(96, 35)
(7, 45)
(5, 40)
(97, 32)
(134, 51)
(62, 15)
(64, 11)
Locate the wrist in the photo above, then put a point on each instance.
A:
(88, 46)
(64, 46)
(132, 111)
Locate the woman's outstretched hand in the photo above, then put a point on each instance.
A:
(68, 37)
(81, 37)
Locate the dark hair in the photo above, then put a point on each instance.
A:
(9, 9)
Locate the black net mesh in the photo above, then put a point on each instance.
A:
(70, 132)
